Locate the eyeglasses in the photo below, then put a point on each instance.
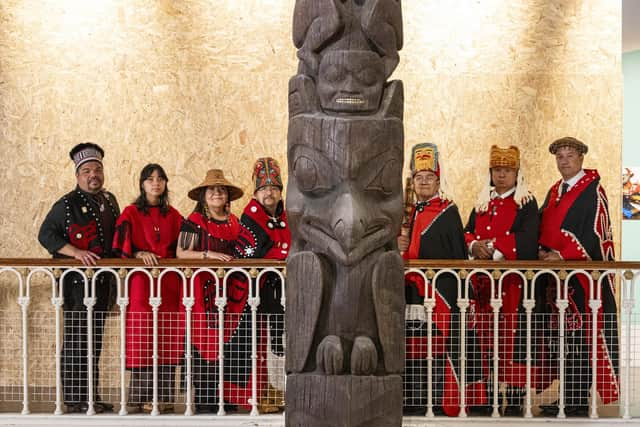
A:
(427, 179)
(269, 189)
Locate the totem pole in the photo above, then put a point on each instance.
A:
(345, 293)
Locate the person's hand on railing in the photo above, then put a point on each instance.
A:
(86, 257)
(548, 255)
(218, 256)
(149, 258)
(481, 250)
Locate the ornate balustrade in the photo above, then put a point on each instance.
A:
(34, 326)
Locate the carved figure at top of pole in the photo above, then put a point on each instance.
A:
(348, 49)
(345, 298)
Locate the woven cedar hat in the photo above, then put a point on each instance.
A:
(216, 177)
(568, 141)
(266, 171)
(504, 157)
(425, 157)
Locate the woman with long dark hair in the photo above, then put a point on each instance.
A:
(148, 229)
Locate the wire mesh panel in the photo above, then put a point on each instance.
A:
(10, 363)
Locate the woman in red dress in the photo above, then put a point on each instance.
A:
(209, 233)
(148, 229)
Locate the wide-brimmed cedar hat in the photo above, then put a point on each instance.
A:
(568, 141)
(504, 157)
(216, 177)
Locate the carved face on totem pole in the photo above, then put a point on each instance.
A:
(350, 81)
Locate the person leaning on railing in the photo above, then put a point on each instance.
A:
(210, 232)
(80, 225)
(575, 226)
(265, 234)
(148, 229)
(435, 232)
(503, 226)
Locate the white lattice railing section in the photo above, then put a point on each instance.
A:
(37, 377)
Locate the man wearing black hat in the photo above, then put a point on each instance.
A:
(575, 226)
(80, 225)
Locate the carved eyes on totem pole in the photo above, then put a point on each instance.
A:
(315, 175)
(351, 81)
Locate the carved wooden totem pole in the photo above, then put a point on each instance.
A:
(345, 293)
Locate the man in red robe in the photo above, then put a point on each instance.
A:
(265, 233)
(575, 226)
(503, 226)
(435, 232)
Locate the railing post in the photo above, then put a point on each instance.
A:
(528, 305)
(429, 304)
(594, 304)
(496, 304)
(155, 302)
(628, 303)
(89, 302)
(188, 306)
(57, 301)
(221, 303)
(254, 302)
(463, 304)
(562, 307)
(123, 302)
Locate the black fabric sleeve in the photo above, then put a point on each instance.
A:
(526, 229)
(458, 245)
(52, 235)
(471, 223)
(580, 220)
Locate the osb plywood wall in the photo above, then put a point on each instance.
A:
(203, 83)
(200, 84)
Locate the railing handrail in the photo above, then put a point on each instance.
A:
(260, 262)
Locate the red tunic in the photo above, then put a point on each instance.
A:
(576, 225)
(220, 236)
(157, 233)
(514, 232)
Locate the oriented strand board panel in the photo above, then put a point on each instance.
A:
(198, 84)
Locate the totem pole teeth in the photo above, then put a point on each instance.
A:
(356, 101)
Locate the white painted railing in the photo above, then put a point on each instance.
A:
(30, 277)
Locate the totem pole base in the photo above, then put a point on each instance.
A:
(343, 401)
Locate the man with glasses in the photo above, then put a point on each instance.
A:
(265, 234)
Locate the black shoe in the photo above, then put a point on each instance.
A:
(202, 408)
(479, 411)
(569, 411)
(103, 407)
(414, 410)
(77, 407)
(512, 411)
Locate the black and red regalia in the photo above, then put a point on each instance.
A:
(156, 232)
(513, 229)
(436, 233)
(85, 221)
(265, 236)
(212, 235)
(576, 226)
